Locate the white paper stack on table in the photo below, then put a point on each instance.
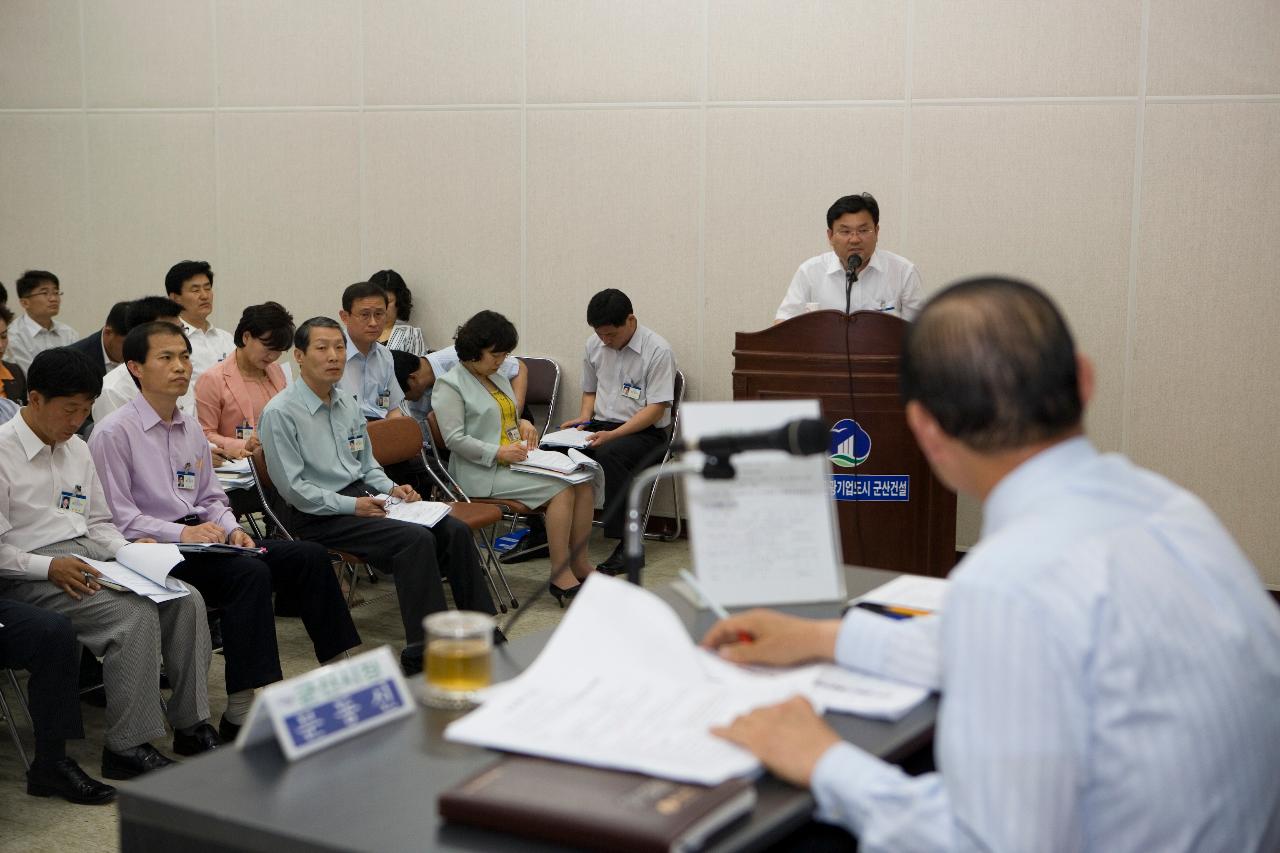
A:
(573, 467)
(426, 513)
(144, 569)
(620, 684)
(909, 595)
(566, 438)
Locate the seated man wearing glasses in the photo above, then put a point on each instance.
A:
(885, 282)
(37, 330)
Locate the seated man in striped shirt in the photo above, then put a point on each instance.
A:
(1108, 659)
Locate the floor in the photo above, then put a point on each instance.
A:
(33, 824)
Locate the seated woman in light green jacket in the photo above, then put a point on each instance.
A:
(475, 409)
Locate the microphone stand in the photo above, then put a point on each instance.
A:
(713, 468)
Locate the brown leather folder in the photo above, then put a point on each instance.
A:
(595, 809)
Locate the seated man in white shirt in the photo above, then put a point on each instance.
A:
(370, 374)
(1108, 658)
(190, 284)
(52, 512)
(37, 330)
(118, 386)
(855, 275)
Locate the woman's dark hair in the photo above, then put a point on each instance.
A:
(405, 364)
(6, 315)
(63, 372)
(393, 283)
(486, 330)
(269, 323)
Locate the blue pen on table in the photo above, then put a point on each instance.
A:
(712, 605)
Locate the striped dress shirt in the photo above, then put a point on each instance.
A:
(1110, 673)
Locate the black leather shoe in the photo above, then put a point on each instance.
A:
(143, 758)
(532, 547)
(64, 778)
(411, 659)
(202, 739)
(617, 562)
(562, 595)
(228, 730)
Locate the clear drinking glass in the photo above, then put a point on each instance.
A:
(459, 648)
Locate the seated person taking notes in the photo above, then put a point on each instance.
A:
(42, 462)
(316, 441)
(1108, 659)
(175, 497)
(231, 395)
(628, 385)
(885, 281)
(476, 410)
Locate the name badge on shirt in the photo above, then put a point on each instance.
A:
(77, 501)
(513, 435)
(631, 392)
(244, 432)
(355, 442)
(186, 478)
(384, 398)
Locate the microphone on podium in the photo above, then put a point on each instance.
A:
(850, 276)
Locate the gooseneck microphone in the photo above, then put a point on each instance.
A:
(850, 276)
(799, 438)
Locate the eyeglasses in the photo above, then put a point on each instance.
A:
(862, 232)
(47, 294)
(367, 316)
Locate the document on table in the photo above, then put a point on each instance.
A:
(566, 438)
(426, 513)
(144, 568)
(768, 536)
(912, 592)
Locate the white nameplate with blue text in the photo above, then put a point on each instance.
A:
(329, 704)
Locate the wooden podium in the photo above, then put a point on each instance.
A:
(893, 513)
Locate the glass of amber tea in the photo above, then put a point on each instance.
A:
(459, 643)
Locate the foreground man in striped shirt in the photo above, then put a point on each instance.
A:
(1108, 660)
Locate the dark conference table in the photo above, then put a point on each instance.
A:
(378, 791)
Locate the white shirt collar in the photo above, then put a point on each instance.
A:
(31, 443)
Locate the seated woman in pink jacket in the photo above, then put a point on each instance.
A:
(230, 395)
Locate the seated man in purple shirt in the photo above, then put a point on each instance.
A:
(173, 496)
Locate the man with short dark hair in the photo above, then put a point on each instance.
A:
(190, 284)
(52, 512)
(628, 386)
(1108, 659)
(37, 330)
(370, 374)
(884, 281)
(177, 498)
(119, 386)
(316, 442)
(104, 346)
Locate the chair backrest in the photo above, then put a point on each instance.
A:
(394, 440)
(437, 437)
(544, 386)
(266, 490)
(677, 395)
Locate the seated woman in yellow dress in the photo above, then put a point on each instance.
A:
(475, 409)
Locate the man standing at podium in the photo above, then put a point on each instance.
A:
(877, 280)
(1108, 659)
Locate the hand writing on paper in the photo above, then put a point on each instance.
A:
(528, 434)
(207, 532)
(405, 493)
(73, 576)
(598, 439)
(510, 453)
(776, 639)
(788, 738)
(369, 507)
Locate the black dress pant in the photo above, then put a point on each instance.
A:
(620, 460)
(241, 588)
(303, 572)
(414, 555)
(44, 643)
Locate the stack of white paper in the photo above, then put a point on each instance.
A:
(575, 467)
(566, 438)
(144, 569)
(426, 513)
(234, 475)
(915, 593)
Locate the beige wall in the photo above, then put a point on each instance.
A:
(521, 155)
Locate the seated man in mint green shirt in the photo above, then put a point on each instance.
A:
(316, 442)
